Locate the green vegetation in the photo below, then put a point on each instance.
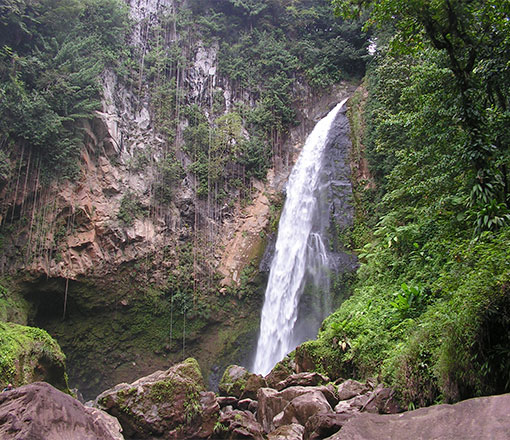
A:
(13, 307)
(430, 309)
(130, 209)
(51, 55)
(29, 354)
(125, 317)
(265, 51)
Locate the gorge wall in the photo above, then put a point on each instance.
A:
(152, 253)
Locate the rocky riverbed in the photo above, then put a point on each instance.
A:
(284, 405)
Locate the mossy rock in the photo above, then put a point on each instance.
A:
(234, 381)
(13, 306)
(172, 402)
(253, 384)
(280, 372)
(190, 368)
(29, 354)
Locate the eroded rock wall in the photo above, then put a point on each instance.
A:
(102, 253)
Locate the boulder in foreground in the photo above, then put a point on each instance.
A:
(171, 404)
(29, 355)
(39, 411)
(480, 418)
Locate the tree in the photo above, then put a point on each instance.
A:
(474, 36)
(51, 55)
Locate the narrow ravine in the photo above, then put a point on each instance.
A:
(301, 256)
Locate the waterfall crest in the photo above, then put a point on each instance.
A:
(300, 254)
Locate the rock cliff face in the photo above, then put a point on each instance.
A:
(145, 279)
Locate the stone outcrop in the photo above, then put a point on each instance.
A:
(170, 404)
(39, 411)
(240, 425)
(480, 418)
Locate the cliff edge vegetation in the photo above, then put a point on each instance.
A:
(430, 308)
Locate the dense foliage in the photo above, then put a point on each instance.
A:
(266, 50)
(266, 47)
(431, 307)
(28, 355)
(51, 55)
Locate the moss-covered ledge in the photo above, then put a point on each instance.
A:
(29, 354)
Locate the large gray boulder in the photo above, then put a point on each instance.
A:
(38, 411)
(301, 408)
(270, 404)
(383, 401)
(480, 418)
(379, 401)
(351, 388)
(328, 391)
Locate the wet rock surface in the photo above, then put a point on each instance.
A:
(39, 411)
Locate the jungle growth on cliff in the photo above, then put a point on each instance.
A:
(430, 309)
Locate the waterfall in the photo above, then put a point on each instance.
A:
(301, 258)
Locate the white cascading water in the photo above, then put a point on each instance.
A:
(299, 250)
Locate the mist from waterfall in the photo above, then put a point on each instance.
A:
(301, 261)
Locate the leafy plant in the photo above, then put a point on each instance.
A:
(130, 208)
(410, 299)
